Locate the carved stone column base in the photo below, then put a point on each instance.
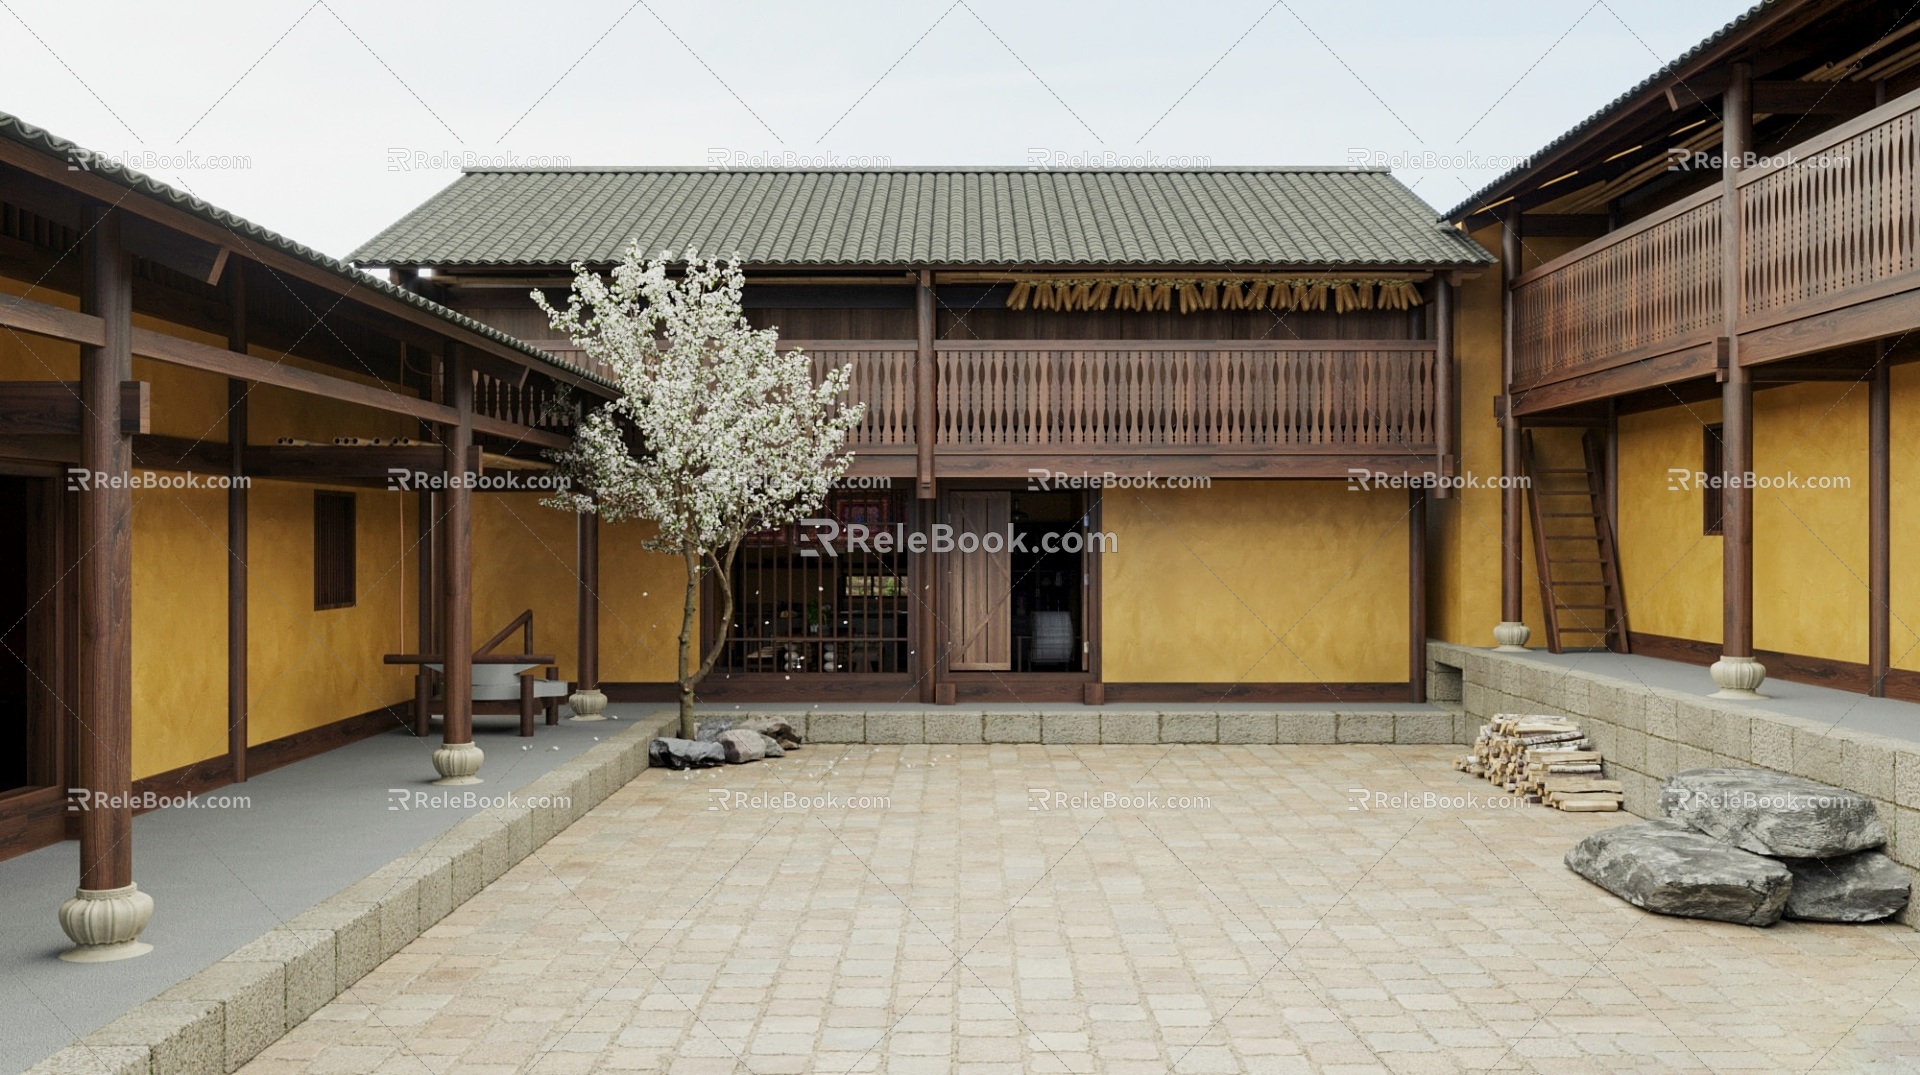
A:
(588, 704)
(1737, 677)
(105, 924)
(458, 763)
(1512, 637)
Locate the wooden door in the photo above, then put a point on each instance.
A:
(980, 624)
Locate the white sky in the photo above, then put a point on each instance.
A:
(317, 95)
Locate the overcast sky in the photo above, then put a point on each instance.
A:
(311, 117)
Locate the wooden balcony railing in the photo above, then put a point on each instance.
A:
(996, 396)
(1836, 225)
(1649, 288)
(1832, 223)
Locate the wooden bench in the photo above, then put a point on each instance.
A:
(503, 683)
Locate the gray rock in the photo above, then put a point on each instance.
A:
(1773, 814)
(743, 745)
(777, 730)
(684, 754)
(774, 749)
(1670, 868)
(1862, 887)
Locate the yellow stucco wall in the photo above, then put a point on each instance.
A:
(1904, 522)
(306, 668)
(179, 628)
(1668, 568)
(1810, 544)
(641, 595)
(1261, 582)
(525, 557)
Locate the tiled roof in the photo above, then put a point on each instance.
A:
(1646, 85)
(17, 130)
(932, 217)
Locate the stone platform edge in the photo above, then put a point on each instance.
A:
(1648, 734)
(843, 724)
(223, 1016)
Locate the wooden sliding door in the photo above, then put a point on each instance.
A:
(979, 621)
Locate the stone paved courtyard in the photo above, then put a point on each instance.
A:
(1254, 916)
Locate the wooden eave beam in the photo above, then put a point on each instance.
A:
(320, 462)
(32, 408)
(1812, 98)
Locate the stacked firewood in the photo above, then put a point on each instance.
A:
(1545, 759)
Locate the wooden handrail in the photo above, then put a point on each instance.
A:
(478, 658)
(1615, 238)
(522, 623)
(1794, 155)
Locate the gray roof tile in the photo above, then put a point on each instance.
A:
(935, 217)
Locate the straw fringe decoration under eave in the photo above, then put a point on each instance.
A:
(1282, 293)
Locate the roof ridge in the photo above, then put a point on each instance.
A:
(952, 169)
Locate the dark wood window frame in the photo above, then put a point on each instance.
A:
(1713, 499)
(334, 560)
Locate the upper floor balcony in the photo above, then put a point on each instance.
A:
(1828, 254)
(1235, 407)
(1227, 408)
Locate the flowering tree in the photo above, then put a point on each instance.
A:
(715, 435)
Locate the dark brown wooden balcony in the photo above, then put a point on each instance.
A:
(1829, 255)
(1229, 408)
(1223, 408)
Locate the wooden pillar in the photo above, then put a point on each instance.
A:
(1879, 517)
(1444, 443)
(108, 912)
(237, 391)
(928, 634)
(458, 759)
(589, 609)
(587, 700)
(929, 638)
(1736, 673)
(1417, 596)
(926, 415)
(1512, 632)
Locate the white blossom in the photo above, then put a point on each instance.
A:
(716, 434)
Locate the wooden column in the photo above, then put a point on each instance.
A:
(1735, 673)
(457, 760)
(1443, 405)
(928, 634)
(588, 526)
(237, 530)
(924, 410)
(928, 637)
(1879, 516)
(1417, 596)
(426, 584)
(107, 913)
(1512, 632)
(106, 569)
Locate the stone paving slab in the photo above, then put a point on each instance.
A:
(1184, 908)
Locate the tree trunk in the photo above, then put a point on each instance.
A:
(688, 728)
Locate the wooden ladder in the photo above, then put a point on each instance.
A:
(1574, 502)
